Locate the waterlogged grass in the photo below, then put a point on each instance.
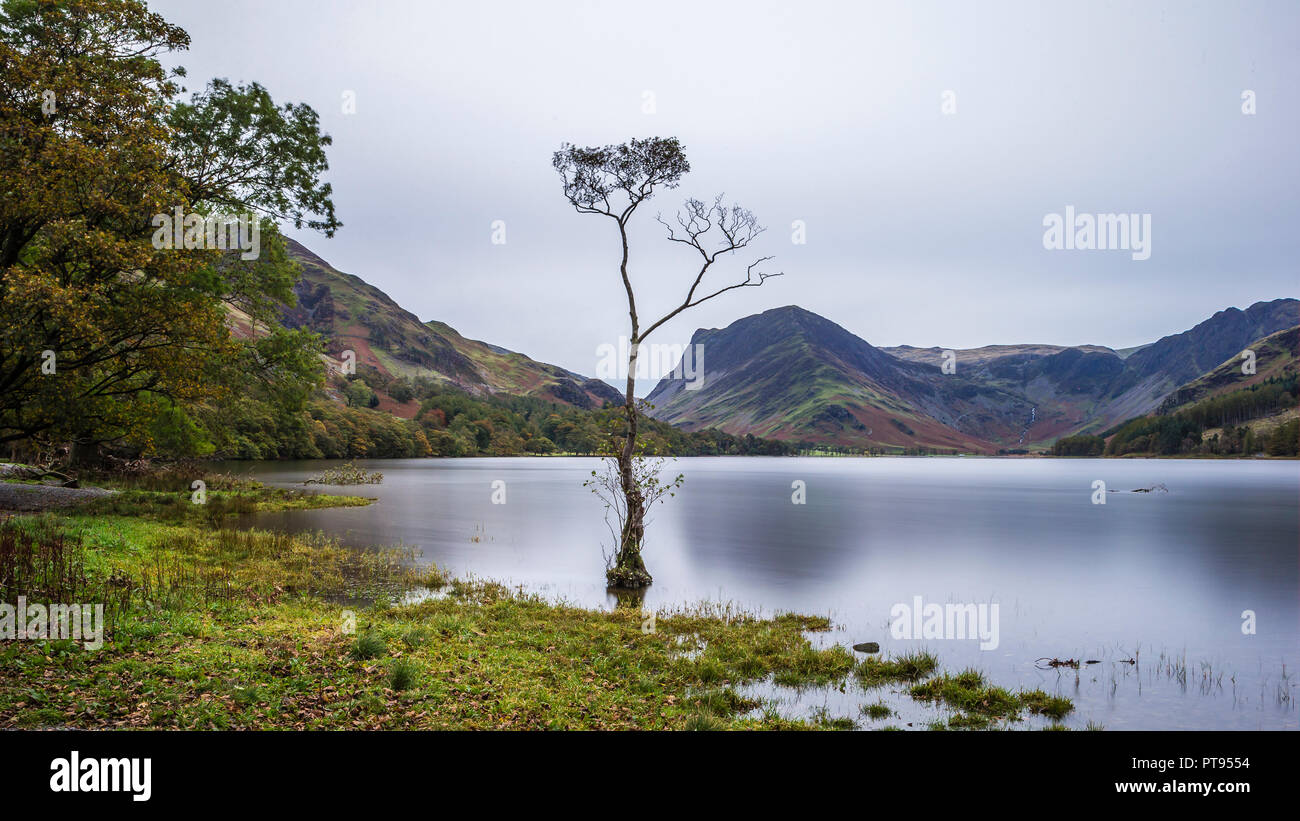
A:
(875, 672)
(216, 628)
(979, 704)
(808, 666)
(724, 702)
(823, 718)
(212, 506)
(1041, 703)
(348, 474)
(223, 628)
(968, 691)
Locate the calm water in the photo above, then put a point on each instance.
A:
(1156, 576)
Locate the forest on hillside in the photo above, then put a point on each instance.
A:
(449, 422)
(1224, 418)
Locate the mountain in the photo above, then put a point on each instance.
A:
(1154, 372)
(790, 374)
(1275, 358)
(793, 375)
(353, 315)
(1055, 388)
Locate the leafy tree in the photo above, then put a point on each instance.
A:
(96, 322)
(359, 394)
(237, 150)
(1285, 439)
(401, 390)
(539, 444)
(1080, 445)
(172, 431)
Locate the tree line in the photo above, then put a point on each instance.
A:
(449, 422)
(1182, 433)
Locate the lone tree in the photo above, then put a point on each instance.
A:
(614, 181)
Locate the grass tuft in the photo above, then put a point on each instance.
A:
(969, 692)
(368, 645)
(401, 675)
(699, 722)
(874, 672)
(1040, 703)
(415, 638)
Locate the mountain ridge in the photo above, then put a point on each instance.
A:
(351, 314)
(789, 373)
(763, 371)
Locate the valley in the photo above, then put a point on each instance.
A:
(792, 376)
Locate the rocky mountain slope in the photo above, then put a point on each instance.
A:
(791, 374)
(353, 315)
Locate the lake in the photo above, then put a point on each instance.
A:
(1162, 578)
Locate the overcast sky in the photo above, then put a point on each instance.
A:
(923, 227)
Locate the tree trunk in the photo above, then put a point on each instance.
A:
(629, 570)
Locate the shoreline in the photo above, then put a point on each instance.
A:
(223, 629)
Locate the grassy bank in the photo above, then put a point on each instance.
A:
(215, 628)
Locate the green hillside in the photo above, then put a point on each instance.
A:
(352, 315)
(1225, 412)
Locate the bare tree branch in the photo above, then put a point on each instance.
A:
(738, 227)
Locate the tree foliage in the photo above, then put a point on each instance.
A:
(100, 329)
(1080, 445)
